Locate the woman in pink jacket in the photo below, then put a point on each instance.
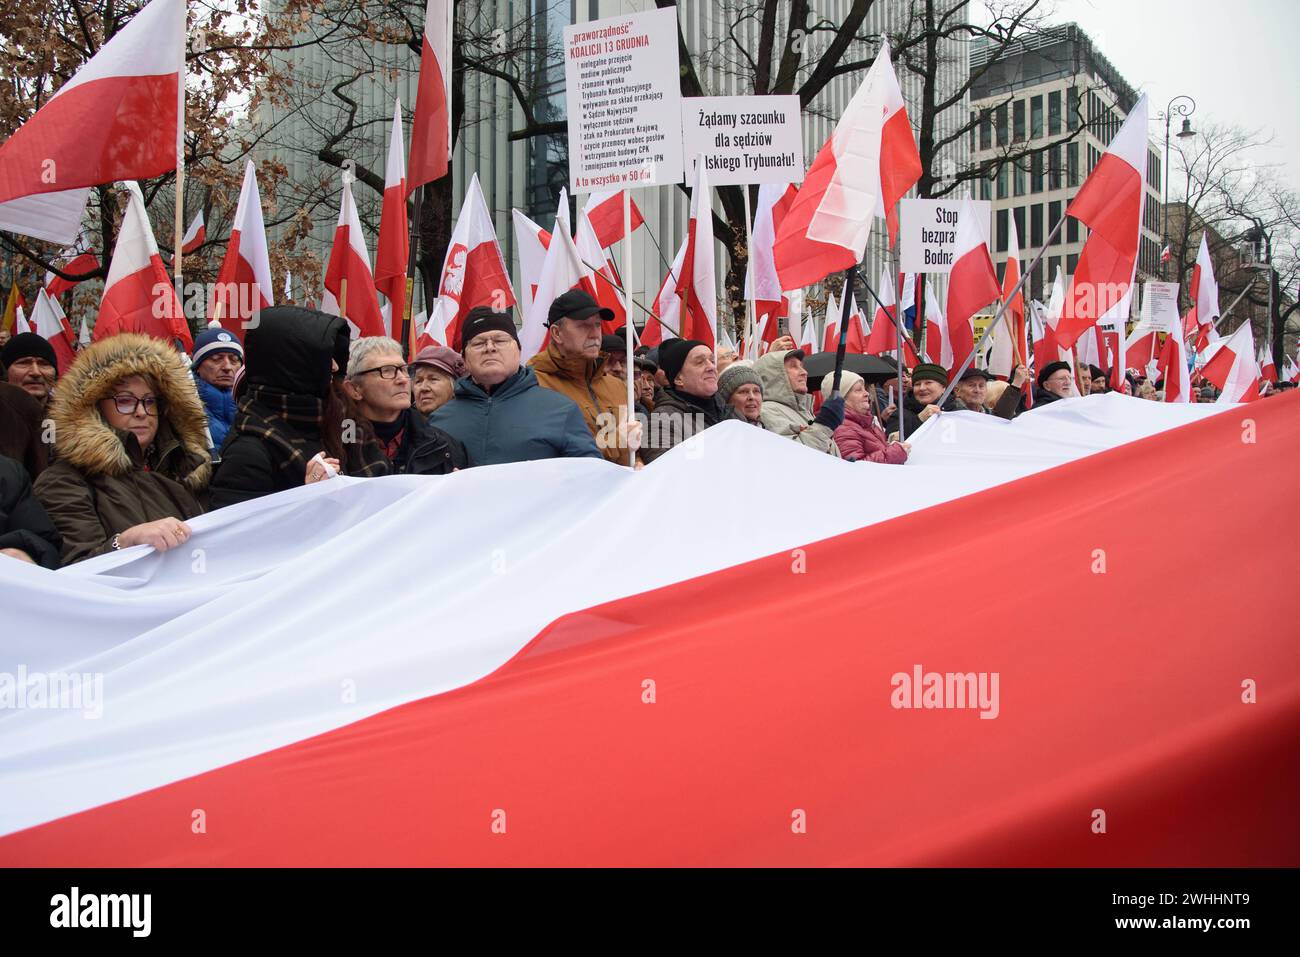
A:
(860, 437)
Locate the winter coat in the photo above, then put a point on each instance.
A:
(1010, 403)
(102, 482)
(673, 420)
(601, 397)
(219, 406)
(911, 412)
(426, 450)
(23, 522)
(517, 422)
(860, 438)
(22, 430)
(786, 413)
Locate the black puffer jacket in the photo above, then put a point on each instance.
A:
(673, 420)
(911, 412)
(23, 521)
(427, 449)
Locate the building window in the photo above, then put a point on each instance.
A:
(1093, 156)
(1054, 112)
(1018, 121)
(986, 129)
(1054, 167)
(1071, 262)
(1036, 117)
(1071, 109)
(1002, 181)
(1002, 231)
(1072, 163)
(1036, 280)
(1001, 115)
(1018, 177)
(1071, 231)
(1036, 173)
(1019, 214)
(986, 188)
(1036, 225)
(1053, 265)
(974, 124)
(1155, 172)
(1054, 217)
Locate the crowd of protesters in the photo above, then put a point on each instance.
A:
(135, 439)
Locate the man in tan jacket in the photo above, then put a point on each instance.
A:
(571, 364)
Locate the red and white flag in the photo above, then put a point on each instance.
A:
(1234, 368)
(666, 321)
(972, 285)
(394, 248)
(531, 242)
(431, 126)
(48, 321)
(349, 283)
(762, 284)
(244, 282)
(694, 278)
(1290, 370)
(433, 330)
(562, 271)
(1110, 204)
(1015, 299)
(79, 261)
(194, 236)
(1204, 293)
(883, 338)
(601, 278)
(138, 296)
(1267, 368)
(473, 271)
(605, 210)
(114, 120)
(861, 172)
(1172, 367)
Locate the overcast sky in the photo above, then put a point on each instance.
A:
(1238, 60)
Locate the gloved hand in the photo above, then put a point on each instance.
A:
(831, 414)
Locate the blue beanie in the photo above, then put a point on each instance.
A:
(214, 340)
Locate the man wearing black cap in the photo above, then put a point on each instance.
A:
(1054, 382)
(501, 414)
(690, 402)
(643, 380)
(572, 365)
(29, 363)
(929, 379)
(971, 390)
(613, 349)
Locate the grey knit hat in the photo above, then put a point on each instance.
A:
(740, 372)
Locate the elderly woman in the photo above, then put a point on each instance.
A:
(131, 437)
(434, 372)
(860, 437)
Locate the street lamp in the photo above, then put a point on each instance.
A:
(1175, 108)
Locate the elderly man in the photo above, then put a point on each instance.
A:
(1096, 381)
(1083, 372)
(380, 386)
(573, 366)
(690, 402)
(787, 406)
(218, 357)
(928, 382)
(742, 389)
(434, 372)
(971, 390)
(500, 412)
(643, 381)
(1054, 382)
(29, 363)
(613, 349)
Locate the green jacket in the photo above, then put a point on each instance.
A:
(786, 413)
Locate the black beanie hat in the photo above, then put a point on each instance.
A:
(672, 356)
(28, 345)
(483, 319)
(1051, 369)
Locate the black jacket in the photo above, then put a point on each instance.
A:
(23, 521)
(673, 420)
(911, 412)
(427, 449)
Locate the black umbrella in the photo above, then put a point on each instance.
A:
(871, 368)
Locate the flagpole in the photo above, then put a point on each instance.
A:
(898, 331)
(179, 227)
(1227, 312)
(952, 384)
(898, 343)
(750, 320)
(630, 368)
(844, 329)
(412, 259)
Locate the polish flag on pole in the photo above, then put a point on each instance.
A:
(762, 284)
(1290, 370)
(194, 236)
(431, 126)
(883, 338)
(1204, 293)
(1110, 204)
(972, 285)
(807, 337)
(473, 271)
(666, 323)
(1267, 368)
(831, 326)
(562, 271)
(48, 321)
(1172, 367)
(1233, 367)
(934, 319)
(531, 242)
(80, 260)
(138, 296)
(605, 210)
(433, 330)
(244, 282)
(696, 282)
(116, 118)
(1114, 326)
(394, 248)
(349, 283)
(601, 279)
(862, 171)
(1015, 314)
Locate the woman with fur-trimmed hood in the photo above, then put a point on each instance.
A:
(131, 438)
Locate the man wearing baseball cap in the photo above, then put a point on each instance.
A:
(218, 357)
(29, 362)
(572, 365)
(500, 412)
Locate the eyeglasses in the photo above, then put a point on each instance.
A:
(385, 372)
(480, 343)
(126, 403)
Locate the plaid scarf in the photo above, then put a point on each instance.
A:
(280, 418)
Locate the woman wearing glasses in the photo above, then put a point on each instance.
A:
(131, 439)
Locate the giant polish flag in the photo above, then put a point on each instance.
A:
(138, 296)
(972, 285)
(114, 120)
(349, 284)
(244, 283)
(473, 271)
(394, 248)
(431, 126)
(861, 172)
(1204, 293)
(1110, 204)
(562, 270)
(548, 699)
(1233, 366)
(48, 321)
(605, 210)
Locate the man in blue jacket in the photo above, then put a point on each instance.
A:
(500, 413)
(218, 356)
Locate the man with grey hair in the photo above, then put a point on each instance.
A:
(378, 386)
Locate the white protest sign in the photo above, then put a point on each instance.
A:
(1160, 307)
(623, 94)
(928, 231)
(743, 139)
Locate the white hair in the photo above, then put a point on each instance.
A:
(367, 346)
